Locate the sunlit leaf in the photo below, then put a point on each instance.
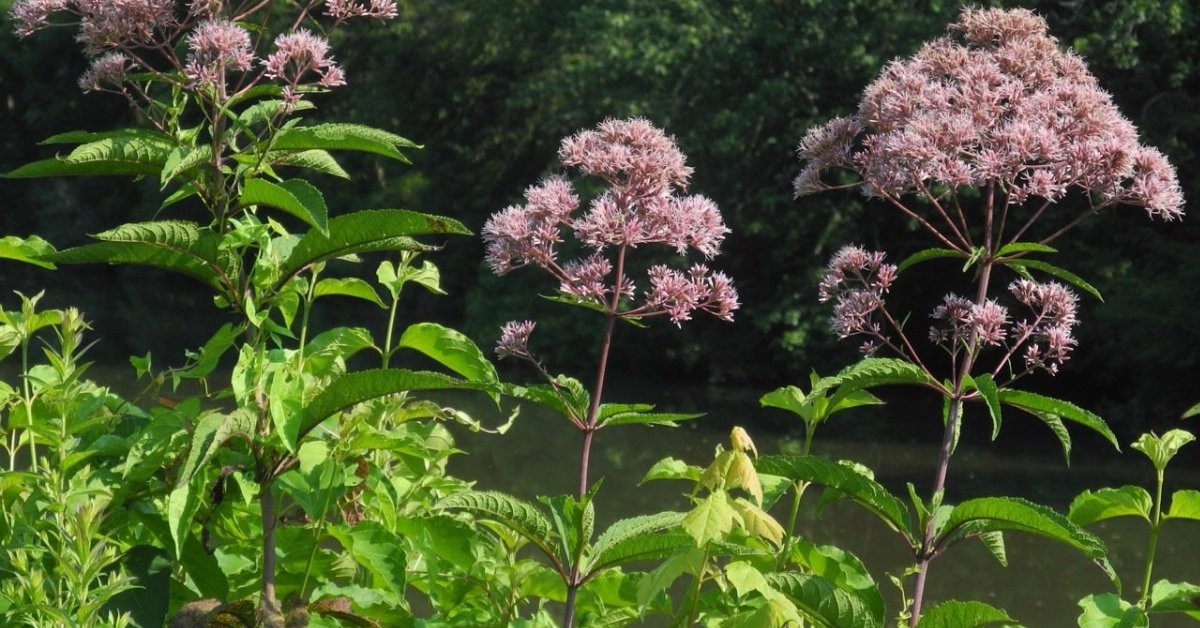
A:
(1185, 504)
(959, 614)
(451, 349)
(295, 196)
(1106, 503)
(1108, 610)
(926, 255)
(1175, 597)
(823, 602)
(1161, 449)
(31, 250)
(1055, 271)
(341, 136)
(1038, 404)
(711, 518)
(518, 515)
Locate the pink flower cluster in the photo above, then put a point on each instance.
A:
(346, 9)
(856, 280)
(103, 24)
(1049, 331)
(998, 103)
(214, 48)
(299, 55)
(514, 340)
(967, 322)
(644, 169)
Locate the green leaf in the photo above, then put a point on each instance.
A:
(871, 372)
(365, 231)
(31, 250)
(515, 514)
(823, 602)
(926, 255)
(1161, 449)
(1039, 405)
(987, 514)
(183, 247)
(316, 160)
(635, 538)
(1106, 503)
(573, 403)
(672, 469)
(378, 550)
(121, 152)
(711, 519)
(1185, 504)
(347, 287)
(757, 522)
(182, 159)
(182, 504)
(959, 614)
(205, 361)
(294, 196)
(991, 398)
(286, 405)
(451, 349)
(1108, 610)
(341, 136)
(1191, 412)
(212, 430)
(628, 414)
(843, 569)
(326, 354)
(1051, 269)
(854, 485)
(994, 542)
(1025, 247)
(360, 386)
(1172, 597)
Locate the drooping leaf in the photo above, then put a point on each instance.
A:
(183, 158)
(517, 515)
(347, 287)
(823, 602)
(843, 569)
(1185, 504)
(182, 504)
(1161, 449)
(205, 361)
(377, 549)
(871, 372)
(987, 514)
(758, 522)
(1092, 506)
(211, 432)
(854, 485)
(994, 542)
(991, 398)
(567, 396)
(317, 160)
(1055, 271)
(1034, 404)
(297, 197)
(175, 245)
(365, 231)
(969, 614)
(1191, 412)
(31, 250)
(360, 386)
(451, 349)
(1108, 610)
(636, 538)
(328, 351)
(342, 136)
(926, 255)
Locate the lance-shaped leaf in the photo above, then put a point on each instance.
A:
(317, 160)
(758, 522)
(870, 372)
(347, 287)
(1185, 504)
(359, 386)
(960, 614)
(823, 602)
(1039, 405)
(567, 396)
(31, 250)
(183, 247)
(517, 515)
(994, 542)
(294, 196)
(988, 514)
(843, 569)
(184, 158)
(1024, 247)
(451, 349)
(365, 231)
(630, 413)
(120, 152)
(211, 432)
(1106, 503)
(376, 549)
(636, 538)
(854, 485)
(341, 136)
(1022, 265)
(926, 255)
(991, 398)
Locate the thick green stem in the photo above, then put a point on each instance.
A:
(1155, 530)
(391, 325)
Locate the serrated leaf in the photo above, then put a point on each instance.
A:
(1092, 506)
(205, 361)
(183, 247)
(823, 602)
(212, 430)
(573, 402)
(316, 160)
(266, 109)
(183, 158)
(991, 398)
(1161, 449)
(121, 152)
(1034, 403)
(636, 538)
(1108, 610)
(515, 514)
(295, 196)
(451, 349)
(182, 504)
(1055, 271)
(31, 250)
(662, 419)
(854, 485)
(347, 287)
(1185, 504)
(994, 542)
(1010, 513)
(711, 519)
(365, 231)
(757, 522)
(926, 255)
(341, 136)
(870, 372)
(672, 469)
(378, 550)
(960, 614)
(843, 569)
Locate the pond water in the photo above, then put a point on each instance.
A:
(1043, 581)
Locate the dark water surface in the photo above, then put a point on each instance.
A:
(1041, 585)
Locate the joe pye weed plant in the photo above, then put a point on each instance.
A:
(286, 492)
